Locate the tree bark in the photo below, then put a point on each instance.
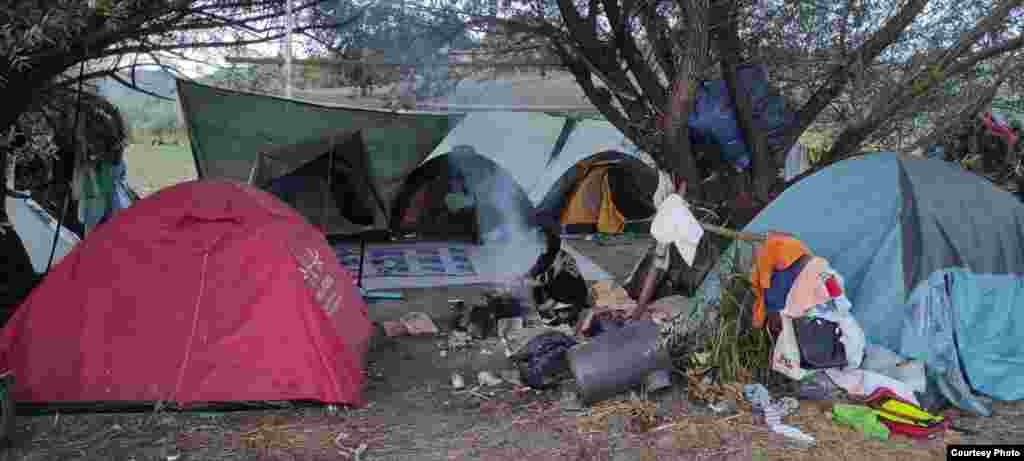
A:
(16, 266)
(677, 152)
(727, 42)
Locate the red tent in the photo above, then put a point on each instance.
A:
(208, 291)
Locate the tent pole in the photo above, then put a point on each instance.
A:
(362, 254)
(288, 52)
(329, 190)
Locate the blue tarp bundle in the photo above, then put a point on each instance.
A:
(896, 227)
(714, 119)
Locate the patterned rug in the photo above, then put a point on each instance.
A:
(414, 261)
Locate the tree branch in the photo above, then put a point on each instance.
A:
(653, 90)
(839, 75)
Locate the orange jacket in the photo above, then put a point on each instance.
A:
(777, 252)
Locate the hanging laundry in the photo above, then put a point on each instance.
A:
(121, 198)
(92, 205)
(676, 224)
(778, 252)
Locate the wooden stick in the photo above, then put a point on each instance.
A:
(735, 235)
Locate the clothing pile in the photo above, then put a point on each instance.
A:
(802, 300)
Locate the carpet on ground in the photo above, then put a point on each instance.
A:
(390, 266)
(408, 261)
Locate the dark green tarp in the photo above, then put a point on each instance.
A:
(229, 130)
(327, 180)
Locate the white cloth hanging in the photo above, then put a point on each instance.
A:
(674, 223)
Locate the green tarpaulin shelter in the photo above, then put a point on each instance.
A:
(230, 130)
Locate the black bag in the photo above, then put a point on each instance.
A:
(818, 341)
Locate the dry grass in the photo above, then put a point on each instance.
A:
(151, 168)
(639, 413)
(715, 437)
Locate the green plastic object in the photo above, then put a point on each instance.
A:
(861, 418)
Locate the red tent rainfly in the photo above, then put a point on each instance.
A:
(207, 291)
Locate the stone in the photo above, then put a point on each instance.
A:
(486, 378)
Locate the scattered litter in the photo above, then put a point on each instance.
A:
(724, 408)
(511, 376)
(508, 325)
(516, 340)
(861, 418)
(459, 340)
(543, 359)
(818, 386)
(475, 393)
(354, 454)
(394, 328)
(419, 323)
(570, 401)
(602, 319)
(458, 382)
(658, 379)
(608, 293)
(902, 417)
(486, 378)
(771, 413)
(668, 307)
(793, 434)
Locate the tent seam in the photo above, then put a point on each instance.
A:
(195, 325)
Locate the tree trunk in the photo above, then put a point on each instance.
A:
(727, 41)
(18, 274)
(677, 151)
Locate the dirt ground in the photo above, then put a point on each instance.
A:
(415, 414)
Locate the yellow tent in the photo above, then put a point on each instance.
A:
(591, 200)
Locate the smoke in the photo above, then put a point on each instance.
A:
(506, 224)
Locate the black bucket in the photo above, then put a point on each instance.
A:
(617, 360)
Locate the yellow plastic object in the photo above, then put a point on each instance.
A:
(906, 413)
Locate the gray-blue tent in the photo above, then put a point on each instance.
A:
(933, 258)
